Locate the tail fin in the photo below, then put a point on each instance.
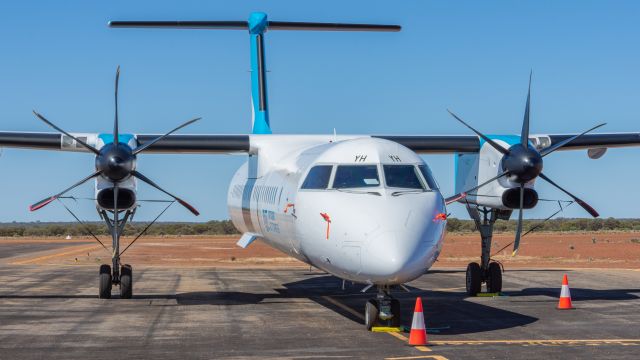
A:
(257, 26)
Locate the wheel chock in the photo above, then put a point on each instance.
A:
(490, 294)
(386, 329)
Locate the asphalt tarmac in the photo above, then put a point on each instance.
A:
(52, 312)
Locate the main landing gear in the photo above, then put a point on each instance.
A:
(116, 274)
(383, 310)
(107, 279)
(488, 272)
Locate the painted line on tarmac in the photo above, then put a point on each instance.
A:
(344, 307)
(545, 342)
(58, 254)
(399, 336)
(448, 289)
(435, 357)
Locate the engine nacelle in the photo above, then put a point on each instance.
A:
(126, 194)
(473, 169)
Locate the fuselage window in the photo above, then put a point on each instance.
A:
(431, 181)
(402, 176)
(318, 177)
(356, 176)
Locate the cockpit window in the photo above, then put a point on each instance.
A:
(402, 176)
(318, 177)
(426, 172)
(356, 176)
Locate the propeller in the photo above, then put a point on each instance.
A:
(522, 163)
(115, 161)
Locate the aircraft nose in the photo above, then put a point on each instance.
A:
(408, 242)
(395, 257)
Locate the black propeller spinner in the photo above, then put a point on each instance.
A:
(115, 161)
(522, 163)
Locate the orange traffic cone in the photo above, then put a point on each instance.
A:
(418, 335)
(565, 295)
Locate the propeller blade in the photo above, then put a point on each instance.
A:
(114, 232)
(150, 182)
(516, 243)
(140, 149)
(546, 151)
(491, 142)
(89, 147)
(44, 202)
(464, 194)
(584, 205)
(115, 122)
(524, 136)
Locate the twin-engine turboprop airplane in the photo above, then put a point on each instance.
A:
(364, 208)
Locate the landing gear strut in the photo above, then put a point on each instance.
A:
(118, 273)
(487, 271)
(383, 310)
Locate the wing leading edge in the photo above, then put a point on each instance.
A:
(426, 144)
(212, 144)
(220, 144)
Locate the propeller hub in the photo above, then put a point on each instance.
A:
(523, 163)
(116, 162)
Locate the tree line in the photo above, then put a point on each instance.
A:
(33, 229)
(225, 227)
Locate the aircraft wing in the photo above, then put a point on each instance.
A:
(425, 144)
(31, 140)
(212, 144)
(220, 144)
(241, 143)
(592, 141)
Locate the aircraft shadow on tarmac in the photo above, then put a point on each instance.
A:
(578, 294)
(462, 271)
(445, 312)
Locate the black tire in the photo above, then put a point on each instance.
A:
(371, 311)
(474, 279)
(494, 280)
(126, 282)
(104, 284)
(397, 314)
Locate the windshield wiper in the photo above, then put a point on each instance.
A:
(398, 193)
(360, 192)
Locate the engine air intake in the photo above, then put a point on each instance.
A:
(126, 198)
(511, 198)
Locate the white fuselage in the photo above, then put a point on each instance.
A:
(377, 234)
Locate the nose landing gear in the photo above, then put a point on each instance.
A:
(383, 310)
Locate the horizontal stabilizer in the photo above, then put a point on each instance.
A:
(246, 239)
(244, 25)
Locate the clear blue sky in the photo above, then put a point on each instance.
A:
(473, 57)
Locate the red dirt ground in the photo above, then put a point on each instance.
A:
(545, 250)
